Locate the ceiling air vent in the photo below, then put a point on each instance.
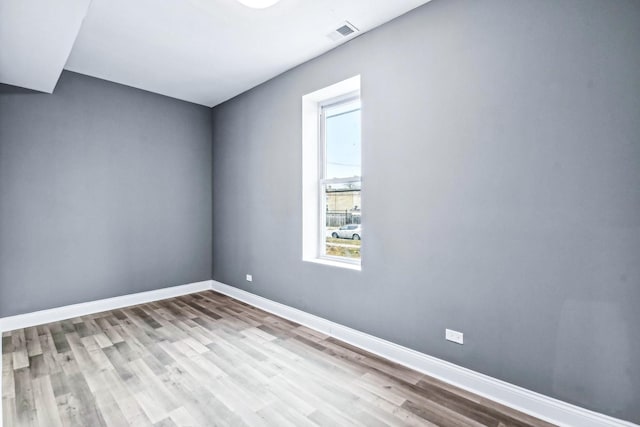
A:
(346, 30)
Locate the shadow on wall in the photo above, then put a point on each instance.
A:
(15, 90)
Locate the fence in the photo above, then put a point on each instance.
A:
(340, 218)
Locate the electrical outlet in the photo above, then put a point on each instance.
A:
(249, 278)
(454, 336)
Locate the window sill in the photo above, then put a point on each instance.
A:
(332, 263)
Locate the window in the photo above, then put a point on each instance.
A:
(331, 181)
(339, 180)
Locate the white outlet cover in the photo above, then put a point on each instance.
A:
(249, 278)
(454, 336)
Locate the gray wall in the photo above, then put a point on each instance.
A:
(105, 190)
(501, 174)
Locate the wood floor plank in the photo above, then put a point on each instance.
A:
(398, 413)
(89, 413)
(206, 360)
(60, 340)
(131, 410)
(8, 387)
(20, 355)
(47, 406)
(26, 413)
(7, 343)
(421, 405)
(182, 418)
(9, 416)
(33, 342)
(48, 351)
(152, 408)
(198, 400)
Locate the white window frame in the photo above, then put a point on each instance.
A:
(312, 163)
(351, 102)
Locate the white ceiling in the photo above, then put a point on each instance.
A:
(207, 51)
(35, 40)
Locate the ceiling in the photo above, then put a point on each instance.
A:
(202, 51)
(36, 38)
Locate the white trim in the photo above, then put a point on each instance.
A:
(312, 207)
(20, 321)
(521, 399)
(336, 263)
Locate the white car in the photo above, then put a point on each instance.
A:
(351, 231)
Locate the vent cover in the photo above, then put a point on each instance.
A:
(346, 30)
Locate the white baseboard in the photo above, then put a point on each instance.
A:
(527, 401)
(20, 321)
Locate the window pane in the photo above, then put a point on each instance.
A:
(343, 228)
(342, 139)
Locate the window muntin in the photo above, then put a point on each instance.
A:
(340, 179)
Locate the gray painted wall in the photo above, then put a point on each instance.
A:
(501, 173)
(105, 190)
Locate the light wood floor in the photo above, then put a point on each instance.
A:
(205, 360)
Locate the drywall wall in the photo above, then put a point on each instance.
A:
(105, 190)
(501, 194)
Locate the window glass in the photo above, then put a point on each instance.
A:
(343, 144)
(341, 181)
